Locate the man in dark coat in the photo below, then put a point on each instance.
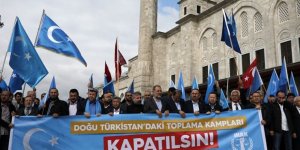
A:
(174, 104)
(7, 110)
(296, 121)
(28, 109)
(75, 103)
(54, 106)
(155, 104)
(281, 123)
(194, 105)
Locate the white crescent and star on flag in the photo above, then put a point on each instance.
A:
(29, 134)
(50, 31)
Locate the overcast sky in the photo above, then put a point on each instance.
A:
(93, 25)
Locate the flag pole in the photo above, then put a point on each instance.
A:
(235, 61)
(24, 86)
(237, 68)
(39, 30)
(117, 62)
(2, 69)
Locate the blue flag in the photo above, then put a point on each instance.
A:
(210, 83)
(229, 32)
(195, 84)
(109, 88)
(180, 86)
(24, 60)
(52, 37)
(293, 86)
(272, 87)
(283, 79)
(257, 81)
(15, 82)
(223, 100)
(53, 84)
(3, 85)
(131, 87)
(45, 98)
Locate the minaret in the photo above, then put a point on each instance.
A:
(147, 28)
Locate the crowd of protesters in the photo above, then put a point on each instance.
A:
(281, 115)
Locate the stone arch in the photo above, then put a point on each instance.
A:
(206, 34)
(283, 35)
(246, 3)
(259, 43)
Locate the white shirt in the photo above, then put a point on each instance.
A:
(73, 109)
(284, 124)
(233, 106)
(178, 105)
(116, 111)
(195, 106)
(158, 103)
(298, 108)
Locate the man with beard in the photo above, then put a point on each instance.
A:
(281, 124)
(75, 103)
(194, 105)
(92, 105)
(106, 103)
(174, 104)
(155, 104)
(129, 107)
(54, 106)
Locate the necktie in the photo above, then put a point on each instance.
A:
(236, 106)
(27, 111)
(50, 106)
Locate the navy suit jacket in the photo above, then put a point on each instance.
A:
(190, 109)
(171, 106)
(151, 107)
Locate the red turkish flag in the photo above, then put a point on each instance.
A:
(107, 73)
(119, 61)
(249, 75)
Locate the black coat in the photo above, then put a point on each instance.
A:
(275, 117)
(217, 107)
(171, 106)
(190, 109)
(60, 107)
(11, 108)
(131, 109)
(151, 107)
(34, 111)
(80, 106)
(230, 106)
(296, 121)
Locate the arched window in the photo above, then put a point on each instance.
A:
(283, 13)
(298, 8)
(204, 44)
(244, 24)
(214, 40)
(258, 22)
